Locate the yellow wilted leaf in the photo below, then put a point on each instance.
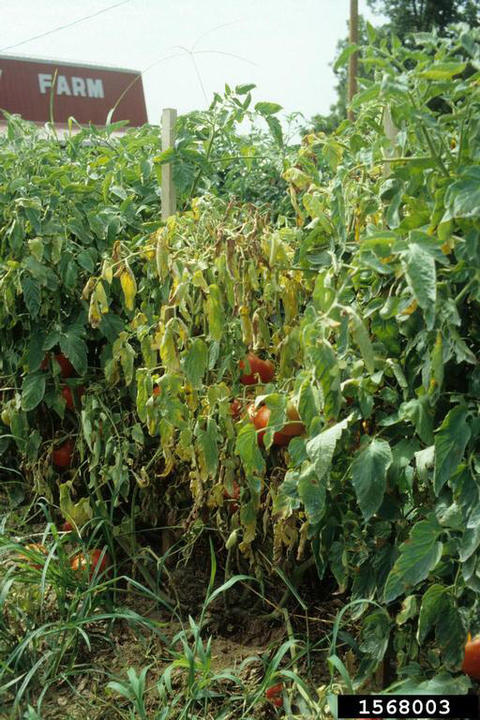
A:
(94, 315)
(215, 315)
(161, 256)
(129, 286)
(168, 350)
(199, 281)
(107, 271)
(87, 290)
(101, 298)
(261, 333)
(247, 329)
(289, 299)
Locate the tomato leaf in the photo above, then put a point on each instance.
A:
(369, 475)
(312, 492)
(450, 442)
(195, 362)
(33, 390)
(207, 441)
(419, 555)
(32, 294)
(247, 448)
(321, 448)
(438, 610)
(419, 267)
(75, 349)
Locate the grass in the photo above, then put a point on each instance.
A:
(61, 635)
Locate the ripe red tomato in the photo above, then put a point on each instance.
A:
(260, 418)
(91, 561)
(62, 455)
(236, 408)
(156, 390)
(68, 397)
(67, 526)
(294, 426)
(471, 660)
(72, 398)
(234, 495)
(274, 694)
(66, 367)
(262, 369)
(44, 365)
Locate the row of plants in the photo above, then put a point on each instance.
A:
(306, 387)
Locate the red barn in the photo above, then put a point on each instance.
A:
(29, 87)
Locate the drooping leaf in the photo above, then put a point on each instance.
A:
(369, 475)
(450, 442)
(247, 448)
(462, 199)
(129, 286)
(419, 555)
(321, 448)
(215, 313)
(33, 390)
(328, 374)
(195, 362)
(362, 339)
(438, 610)
(207, 441)
(420, 272)
(312, 492)
(32, 294)
(75, 349)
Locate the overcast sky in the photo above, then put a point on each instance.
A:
(283, 46)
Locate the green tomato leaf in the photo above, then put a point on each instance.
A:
(369, 476)
(419, 267)
(321, 448)
(419, 555)
(462, 199)
(247, 448)
(267, 108)
(450, 442)
(195, 362)
(33, 390)
(32, 294)
(75, 349)
(312, 492)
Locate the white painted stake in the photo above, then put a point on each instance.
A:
(169, 200)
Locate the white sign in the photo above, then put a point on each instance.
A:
(73, 86)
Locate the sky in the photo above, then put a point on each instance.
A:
(188, 49)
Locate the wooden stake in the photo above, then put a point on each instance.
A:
(353, 63)
(169, 199)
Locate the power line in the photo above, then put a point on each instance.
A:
(63, 27)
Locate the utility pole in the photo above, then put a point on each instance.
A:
(353, 62)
